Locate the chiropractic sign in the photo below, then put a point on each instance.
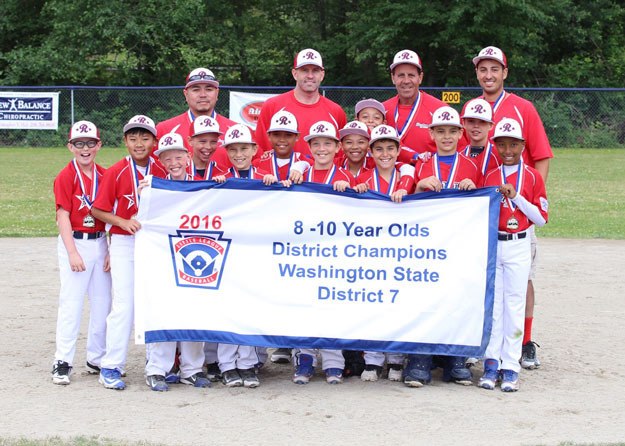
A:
(20, 110)
(259, 265)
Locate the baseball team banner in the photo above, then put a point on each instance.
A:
(20, 110)
(245, 107)
(249, 264)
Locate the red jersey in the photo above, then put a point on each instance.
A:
(184, 122)
(211, 170)
(118, 192)
(269, 163)
(412, 122)
(329, 176)
(254, 173)
(75, 198)
(530, 185)
(450, 174)
(307, 114)
(485, 161)
(341, 160)
(537, 145)
(377, 183)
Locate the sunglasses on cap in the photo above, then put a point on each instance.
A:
(201, 77)
(81, 144)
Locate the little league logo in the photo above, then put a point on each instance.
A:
(198, 258)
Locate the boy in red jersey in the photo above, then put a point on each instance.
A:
(282, 160)
(324, 144)
(385, 177)
(241, 149)
(355, 144)
(239, 363)
(83, 254)
(116, 205)
(524, 204)
(204, 140)
(491, 69)
(370, 112)
(447, 169)
(161, 356)
(477, 121)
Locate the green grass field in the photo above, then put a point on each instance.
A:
(586, 194)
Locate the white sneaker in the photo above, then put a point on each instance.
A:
(60, 373)
(281, 356)
(470, 362)
(371, 373)
(395, 374)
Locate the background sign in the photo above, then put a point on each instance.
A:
(245, 107)
(29, 110)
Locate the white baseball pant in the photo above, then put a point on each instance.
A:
(210, 352)
(506, 337)
(120, 319)
(161, 357)
(374, 358)
(242, 357)
(74, 285)
(330, 359)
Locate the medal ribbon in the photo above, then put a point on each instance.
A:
(134, 176)
(498, 102)
(327, 180)
(81, 181)
(488, 152)
(519, 182)
(411, 116)
(208, 172)
(391, 184)
(487, 155)
(235, 173)
(276, 168)
(452, 173)
(346, 166)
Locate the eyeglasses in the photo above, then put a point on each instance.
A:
(81, 144)
(201, 77)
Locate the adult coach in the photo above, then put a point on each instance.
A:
(304, 101)
(491, 67)
(410, 111)
(201, 92)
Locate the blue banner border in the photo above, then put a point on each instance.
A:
(332, 343)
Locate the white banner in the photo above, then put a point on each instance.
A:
(245, 107)
(20, 110)
(249, 264)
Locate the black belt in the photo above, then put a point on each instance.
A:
(505, 236)
(88, 235)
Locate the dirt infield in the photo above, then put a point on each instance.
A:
(577, 395)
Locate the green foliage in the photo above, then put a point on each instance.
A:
(252, 42)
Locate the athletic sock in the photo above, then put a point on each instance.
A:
(527, 333)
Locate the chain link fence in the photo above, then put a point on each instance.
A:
(590, 118)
